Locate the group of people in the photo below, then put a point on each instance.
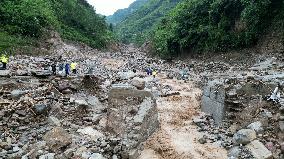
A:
(67, 67)
(152, 72)
(4, 60)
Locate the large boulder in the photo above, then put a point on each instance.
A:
(244, 136)
(57, 139)
(139, 83)
(258, 150)
(5, 73)
(132, 115)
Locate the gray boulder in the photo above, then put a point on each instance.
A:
(244, 136)
(139, 83)
(256, 126)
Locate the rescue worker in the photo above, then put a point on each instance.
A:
(4, 61)
(154, 73)
(67, 69)
(53, 68)
(73, 67)
(149, 71)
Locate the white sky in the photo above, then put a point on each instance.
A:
(108, 7)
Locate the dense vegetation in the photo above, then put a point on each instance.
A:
(76, 20)
(121, 14)
(138, 26)
(215, 25)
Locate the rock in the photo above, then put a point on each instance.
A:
(202, 140)
(244, 136)
(94, 134)
(270, 146)
(5, 73)
(81, 102)
(234, 152)
(16, 94)
(139, 83)
(256, 126)
(47, 156)
(97, 156)
(57, 139)
(94, 102)
(53, 121)
(22, 73)
(41, 109)
(258, 150)
(281, 125)
(41, 73)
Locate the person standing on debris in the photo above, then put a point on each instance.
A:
(53, 68)
(73, 67)
(67, 69)
(184, 72)
(4, 61)
(154, 73)
(149, 71)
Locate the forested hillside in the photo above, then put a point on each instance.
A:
(216, 25)
(137, 27)
(121, 14)
(23, 22)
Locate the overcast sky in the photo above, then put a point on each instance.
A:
(108, 7)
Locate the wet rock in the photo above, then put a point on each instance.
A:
(94, 134)
(57, 139)
(139, 83)
(47, 156)
(41, 109)
(234, 152)
(258, 150)
(244, 136)
(256, 126)
(16, 94)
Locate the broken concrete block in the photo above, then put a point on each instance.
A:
(132, 114)
(281, 126)
(244, 136)
(5, 73)
(258, 150)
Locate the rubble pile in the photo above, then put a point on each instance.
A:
(248, 109)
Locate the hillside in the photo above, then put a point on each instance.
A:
(214, 26)
(24, 22)
(136, 27)
(121, 14)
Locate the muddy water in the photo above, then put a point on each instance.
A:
(178, 136)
